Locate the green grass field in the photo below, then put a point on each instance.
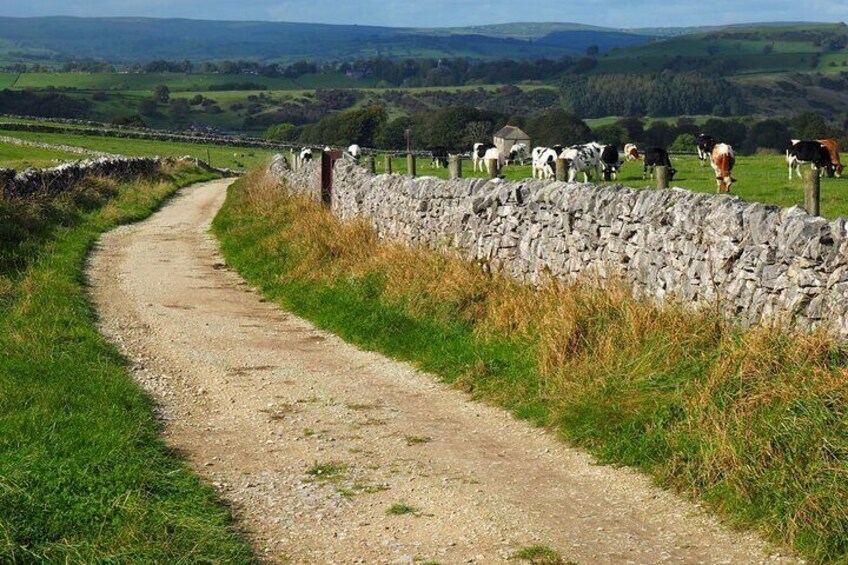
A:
(175, 81)
(220, 156)
(22, 157)
(761, 178)
(84, 474)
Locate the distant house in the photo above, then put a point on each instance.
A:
(509, 136)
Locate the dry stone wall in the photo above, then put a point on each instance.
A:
(755, 262)
(54, 180)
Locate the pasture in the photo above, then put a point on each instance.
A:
(761, 178)
(22, 157)
(220, 156)
(201, 82)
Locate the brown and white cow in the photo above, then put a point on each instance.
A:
(722, 160)
(631, 152)
(833, 149)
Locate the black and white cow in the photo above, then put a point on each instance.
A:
(477, 153)
(583, 159)
(355, 152)
(813, 152)
(306, 154)
(657, 157)
(705, 144)
(484, 154)
(610, 162)
(544, 161)
(440, 157)
(518, 154)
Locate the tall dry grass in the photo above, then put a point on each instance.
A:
(755, 422)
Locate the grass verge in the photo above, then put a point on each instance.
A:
(84, 475)
(754, 423)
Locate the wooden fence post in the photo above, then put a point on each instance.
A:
(662, 177)
(410, 164)
(812, 192)
(493, 166)
(561, 170)
(371, 164)
(455, 166)
(326, 179)
(388, 164)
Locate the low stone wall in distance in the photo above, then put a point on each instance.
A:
(55, 180)
(754, 262)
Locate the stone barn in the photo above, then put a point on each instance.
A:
(509, 136)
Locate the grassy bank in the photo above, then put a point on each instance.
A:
(754, 423)
(84, 476)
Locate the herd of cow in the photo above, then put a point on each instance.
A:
(603, 162)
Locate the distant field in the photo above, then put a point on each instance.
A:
(749, 56)
(760, 179)
(7, 80)
(220, 156)
(22, 157)
(178, 81)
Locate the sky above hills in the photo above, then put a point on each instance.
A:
(449, 13)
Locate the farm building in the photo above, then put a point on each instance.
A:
(509, 136)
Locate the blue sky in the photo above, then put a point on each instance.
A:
(446, 13)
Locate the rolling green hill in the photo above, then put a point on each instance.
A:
(739, 50)
(125, 40)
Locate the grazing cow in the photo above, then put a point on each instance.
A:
(477, 156)
(544, 161)
(582, 159)
(802, 152)
(657, 157)
(517, 154)
(482, 156)
(722, 160)
(833, 149)
(355, 152)
(610, 162)
(631, 152)
(306, 154)
(705, 144)
(440, 157)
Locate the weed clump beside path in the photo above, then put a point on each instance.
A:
(754, 423)
(84, 475)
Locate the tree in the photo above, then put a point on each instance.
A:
(634, 128)
(180, 110)
(732, 132)
(477, 131)
(393, 134)
(810, 125)
(593, 51)
(660, 134)
(683, 142)
(557, 127)
(282, 132)
(147, 107)
(610, 135)
(134, 120)
(767, 134)
(162, 94)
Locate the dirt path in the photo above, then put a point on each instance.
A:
(313, 440)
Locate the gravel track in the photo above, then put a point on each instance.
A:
(312, 440)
